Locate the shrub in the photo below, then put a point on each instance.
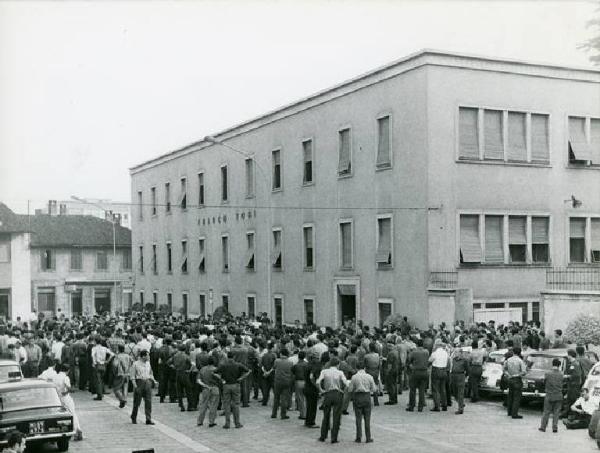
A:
(584, 329)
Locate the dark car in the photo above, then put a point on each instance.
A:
(33, 407)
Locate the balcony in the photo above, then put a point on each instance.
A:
(443, 279)
(573, 279)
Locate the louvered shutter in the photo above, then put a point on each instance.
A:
(577, 228)
(517, 227)
(494, 147)
(470, 247)
(577, 129)
(517, 143)
(276, 253)
(346, 233)
(539, 138)
(383, 146)
(467, 130)
(344, 151)
(539, 230)
(494, 251)
(595, 234)
(384, 249)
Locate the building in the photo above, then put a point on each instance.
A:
(97, 207)
(63, 264)
(435, 187)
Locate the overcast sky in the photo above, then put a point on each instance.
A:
(89, 89)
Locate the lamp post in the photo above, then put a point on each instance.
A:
(215, 141)
(112, 220)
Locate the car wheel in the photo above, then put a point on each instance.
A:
(62, 444)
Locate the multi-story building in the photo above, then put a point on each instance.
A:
(97, 207)
(63, 264)
(435, 187)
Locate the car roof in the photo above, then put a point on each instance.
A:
(550, 353)
(6, 362)
(25, 384)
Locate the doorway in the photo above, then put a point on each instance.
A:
(347, 304)
(76, 303)
(102, 300)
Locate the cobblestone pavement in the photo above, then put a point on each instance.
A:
(484, 427)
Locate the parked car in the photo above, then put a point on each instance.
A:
(592, 383)
(491, 375)
(33, 407)
(10, 367)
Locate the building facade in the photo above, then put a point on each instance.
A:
(97, 207)
(435, 187)
(59, 264)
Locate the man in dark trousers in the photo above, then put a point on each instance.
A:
(182, 365)
(240, 355)
(332, 382)
(392, 364)
(266, 363)
(232, 374)
(418, 361)
(459, 369)
(361, 387)
(165, 370)
(282, 384)
(576, 378)
(514, 369)
(553, 382)
(143, 381)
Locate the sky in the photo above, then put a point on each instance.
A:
(89, 89)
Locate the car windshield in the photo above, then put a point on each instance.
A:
(540, 362)
(28, 398)
(5, 369)
(496, 358)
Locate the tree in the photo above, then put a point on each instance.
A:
(584, 330)
(592, 45)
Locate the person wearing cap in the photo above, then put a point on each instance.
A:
(142, 380)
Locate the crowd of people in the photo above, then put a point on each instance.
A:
(223, 362)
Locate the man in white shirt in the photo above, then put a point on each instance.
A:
(100, 356)
(439, 374)
(57, 348)
(333, 382)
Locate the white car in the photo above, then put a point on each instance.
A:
(592, 383)
(492, 372)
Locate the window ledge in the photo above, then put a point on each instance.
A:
(250, 271)
(277, 190)
(504, 163)
(277, 269)
(503, 266)
(308, 269)
(385, 267)
(582, 167)
(582, 265)
(383, 167)
(154, 216)
(345, 175)
(308, 183)
(346, 269)
(250, 197)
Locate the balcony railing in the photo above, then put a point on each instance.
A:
(443, 279)
(573, 279)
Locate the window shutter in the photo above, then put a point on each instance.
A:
(276, 252)
(494, 148)
(346, 232)
(517, 227)
(517, 143)
(539, 138)
(383, 148)
(470, 246)
(595, 141)
(577, 228)
(468, 138)
(384, 249)
(577, 130)
(249, 257)
(344, 152)
(494, 252)
(595, 236)
(539, 230)
(249, 177)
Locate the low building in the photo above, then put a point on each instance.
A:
(97, 207)
(435, 187)
(63, 264)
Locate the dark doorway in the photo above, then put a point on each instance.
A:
(4, 305)
(76, 303)
(102, 300)
(348, 308)
(385, 310)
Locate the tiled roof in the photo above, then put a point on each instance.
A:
(65, 230)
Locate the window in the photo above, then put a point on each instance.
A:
(202, 299)
(200, 189)
(170, 302)
(345, 152)
(535, 311)
(309, 251)
(184, 304)
(184, 257)
(276, 254)
(224, 190)
(5, 251)
(153, 199)
(155, 299)
(524, 306)
(384, 311)
(169, 258)
(141, 260)
(584, 140)
(249, 178)
(76, 260)
(46, 300)
(127, 259)
(470, 245)
(540, 242)
(225, 252)
(101, 260)
(309, 311)
(540, 148)
(493, 139)
(276, 160)
(168, 198)
(201, 256)
(278, 302)
(468, 133)
(384, 141)
(183, 195)
(251, 302)
(140, 205)
(595, 240)
(383, 256)
(577, 239)
(154, 263)
(346, 259)
(595, 140)
(307, 156)
(225, 302)
(249, 260)
(494, 248)
(517, 239)
(517, 137)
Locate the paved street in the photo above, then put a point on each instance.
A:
(483, 428)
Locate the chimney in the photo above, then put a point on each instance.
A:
(52, 207)
(117, 218)
(62, 209)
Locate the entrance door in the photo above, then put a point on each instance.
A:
(102, 300)
(76, 303)
(348, 303)
(4, 304)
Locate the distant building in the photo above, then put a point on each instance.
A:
(97, 207)
(442, 187)
(62, 264)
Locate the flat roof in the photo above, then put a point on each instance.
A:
(407, 63)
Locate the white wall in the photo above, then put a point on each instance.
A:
(21, 276)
